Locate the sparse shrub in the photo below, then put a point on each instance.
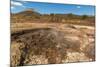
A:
(84, 17)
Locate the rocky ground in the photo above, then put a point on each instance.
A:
(50, 43)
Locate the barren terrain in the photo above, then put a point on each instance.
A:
(51, 39)
(80, 37)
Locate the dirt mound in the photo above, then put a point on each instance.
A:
(46, 43)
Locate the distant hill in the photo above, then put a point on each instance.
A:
(31, 15)
(25, 15)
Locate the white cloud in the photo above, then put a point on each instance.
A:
(14, 3)
(12, 7)
(78, 6)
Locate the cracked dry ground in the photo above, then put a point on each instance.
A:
(51, 43)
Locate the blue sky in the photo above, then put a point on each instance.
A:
(47, 8)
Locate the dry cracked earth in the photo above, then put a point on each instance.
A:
(51, 43)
